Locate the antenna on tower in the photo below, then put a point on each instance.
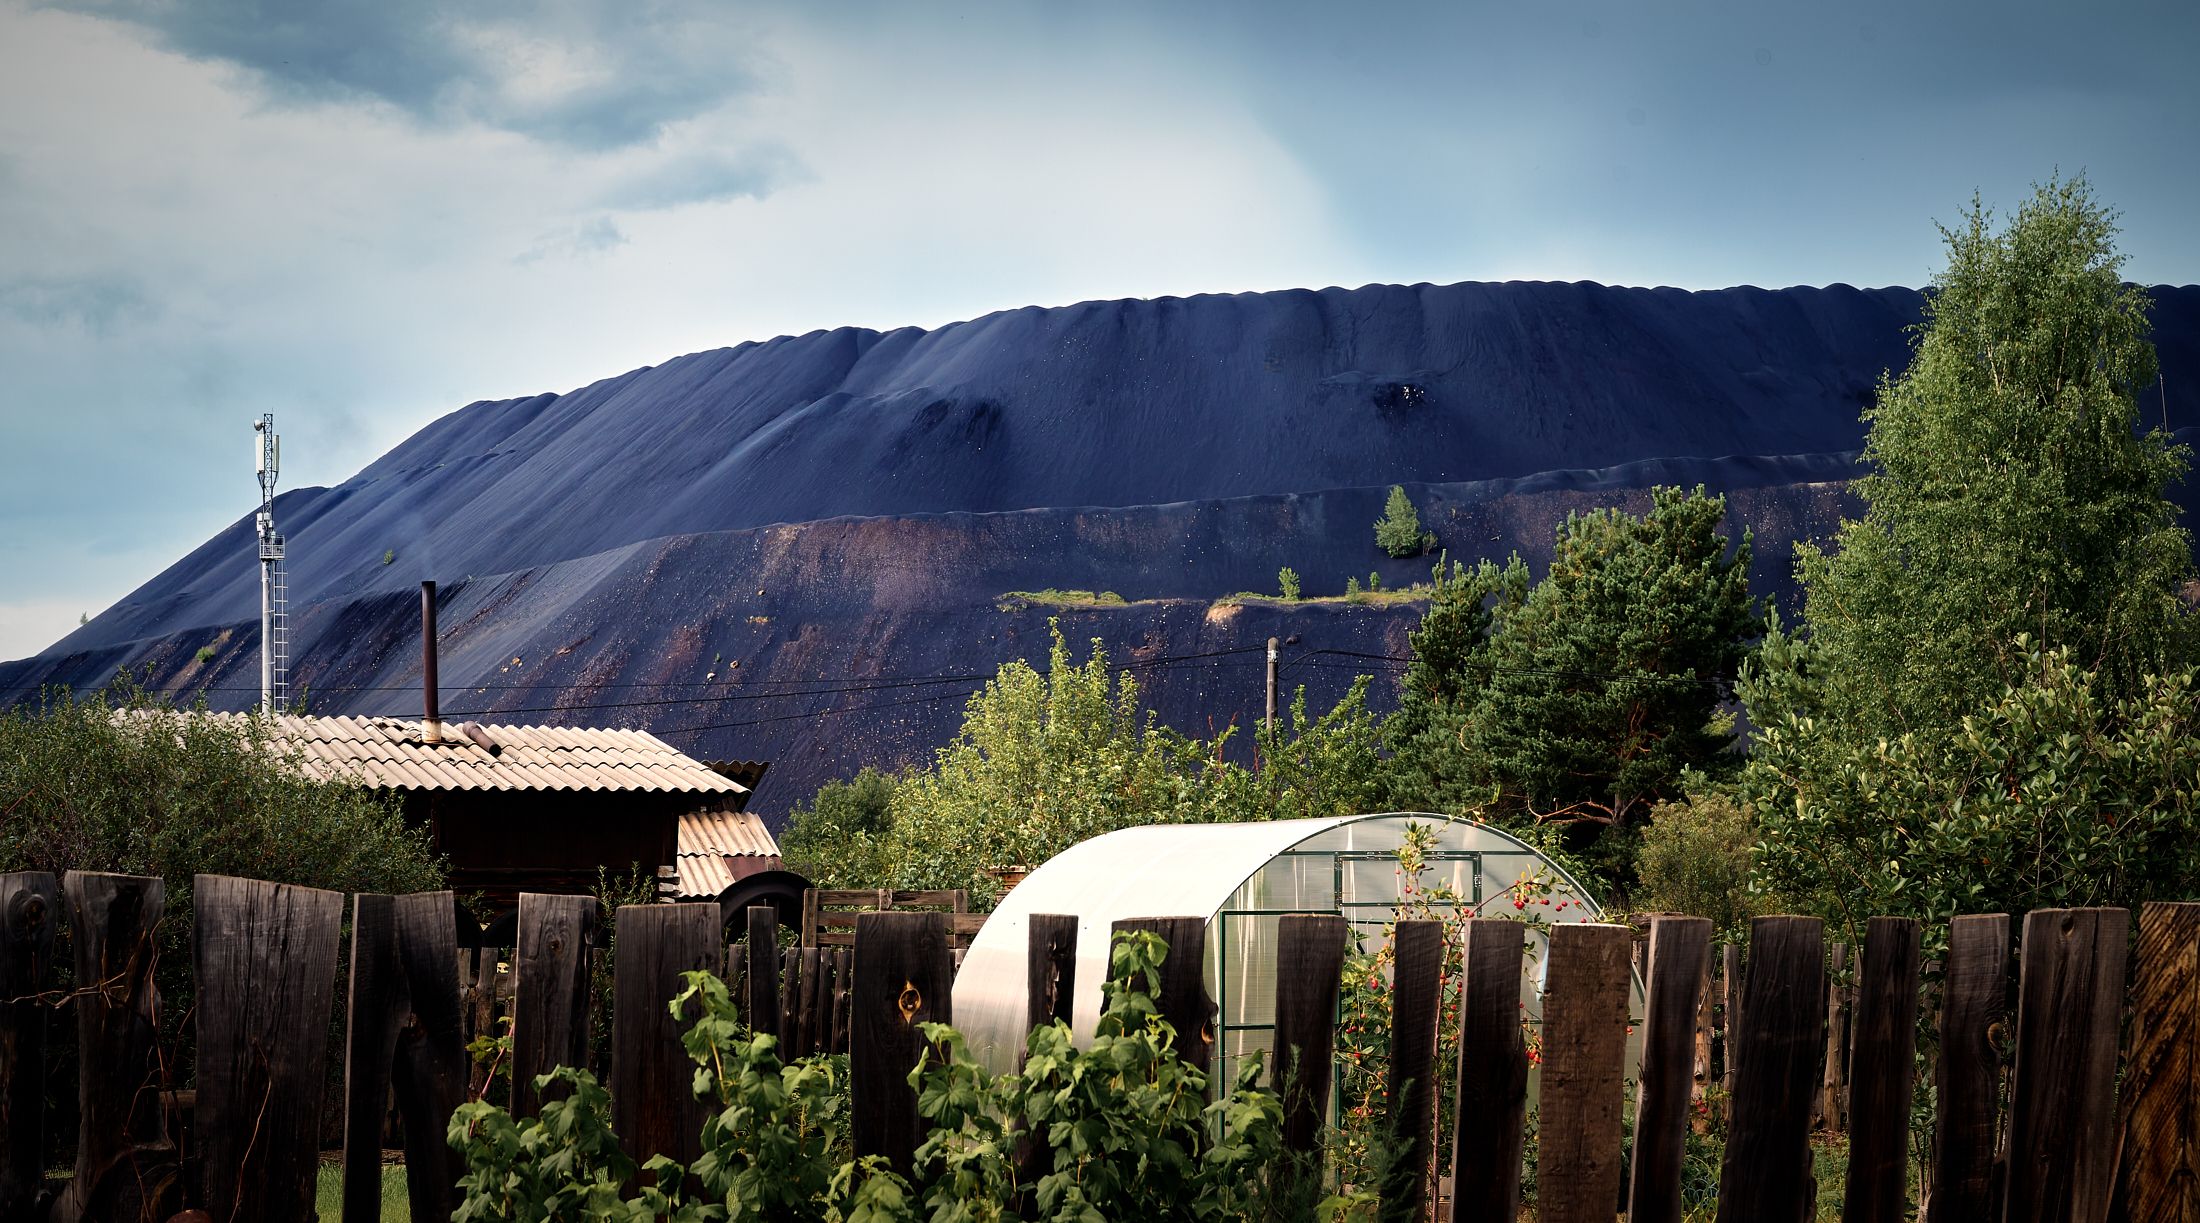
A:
(267, 459)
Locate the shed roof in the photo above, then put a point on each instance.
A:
(717, 848)
(394, 754)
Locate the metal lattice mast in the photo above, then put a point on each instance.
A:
(274, 622)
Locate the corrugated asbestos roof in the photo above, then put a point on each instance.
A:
(719, 847)
(390, 753)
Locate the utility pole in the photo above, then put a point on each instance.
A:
(1271, 719)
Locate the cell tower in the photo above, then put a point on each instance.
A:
(274, 622)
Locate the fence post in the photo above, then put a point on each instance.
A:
(1767, 1172)
(1967, 1075)
(1730, 1011)
(1831, 1113)
(1492, 1089)
(125, 1163)
(429, 1067)
(1183, 1000)
(2062, 1090)
(761, 1006)
(266, 961)
(1309, 956)
(2160, 1175)
(375, 1007)
(903, 978)
(30, 905)
(1584, 1046)
(1050, 970)
(1680, 958)
(549, 992)
(1416, 1001)
(1882, 1069)
(653, 1105)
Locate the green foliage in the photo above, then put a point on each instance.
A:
(1287, 581)
(2015, 581)
(1042, 762)
(1352, 590)
(839, 840)
(1374, 580)
(2047, 797)
(1579, 702)
(1696, 859)
(120, 781)
(205, 655)
(388, 555)
(1121, 1130)
(1398, 531)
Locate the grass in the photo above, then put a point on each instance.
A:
(1015, 600)
(328, 1194)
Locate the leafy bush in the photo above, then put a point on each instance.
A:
(1696, 858)
(205, 655)
(1121, 1130)
(839, 840)
(1287, 581)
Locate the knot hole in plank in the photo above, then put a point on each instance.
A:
(27, 913)
(910, 1001)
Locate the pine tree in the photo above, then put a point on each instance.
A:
(1398, 532)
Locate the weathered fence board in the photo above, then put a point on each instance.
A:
(1416, 1004)
(266, 965)
(2160, 1176)
(1680, 960)
(654, 1107)
(429, 1067)
(1883, 1064)
(1833, 1093)
(1967, 1075)
(1492, 1089)
(1767, 1170)
(376, 1008)
(760, 1006)
(125, 1164)
(903, 978)
(550, 997)
(1578, 1128)
(1050, 968)
(30, 908)
(2062, 1090)
(1309, 956)
(1183, 999)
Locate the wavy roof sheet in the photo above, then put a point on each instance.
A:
(393, 753)
(719, 848)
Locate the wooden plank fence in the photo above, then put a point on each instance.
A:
(2087, 1133)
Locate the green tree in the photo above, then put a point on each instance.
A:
(839, 839)
(1578, 703)
(1287, 581)
(1398, 532)
(1043, 761)
(2015, 541)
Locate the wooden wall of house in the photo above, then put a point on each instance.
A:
(504, 842)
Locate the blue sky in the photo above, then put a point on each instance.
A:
(362, 214)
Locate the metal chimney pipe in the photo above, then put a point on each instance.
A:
(431, 719)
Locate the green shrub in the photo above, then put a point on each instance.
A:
(204, 656)
(1119, 1130)
(839, 839)
(1695, 858)
(388, 555)
(1287, 580)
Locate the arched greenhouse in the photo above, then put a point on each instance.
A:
(1243, 878)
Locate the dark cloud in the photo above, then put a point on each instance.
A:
(592, 74)
(708, 177)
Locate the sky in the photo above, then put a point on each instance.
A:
(363, 214)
